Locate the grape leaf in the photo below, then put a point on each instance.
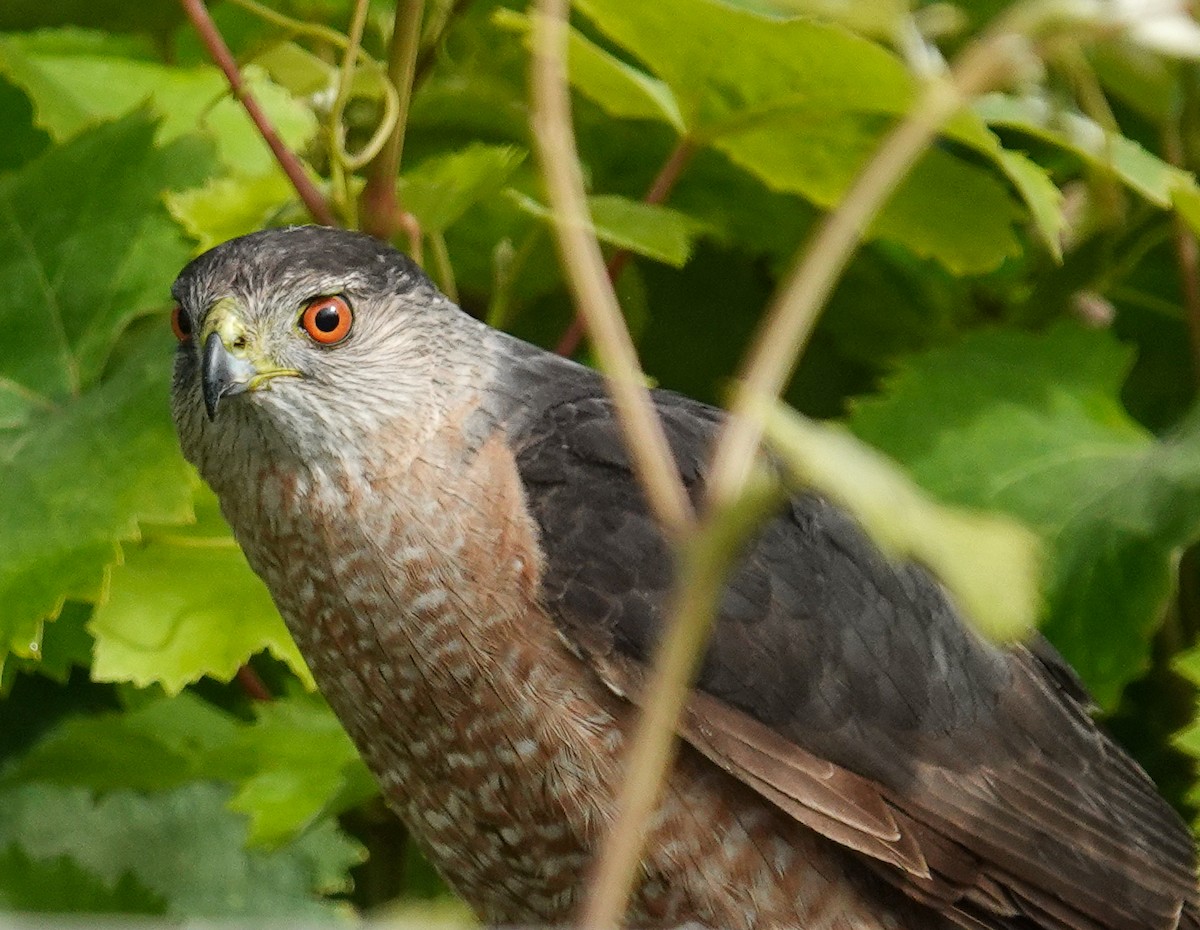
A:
(1135, 167)
(76, 257)
(1032, 425)
(439, 190)
(22, 139)
(228, 207)
(84, 461)
(184, 604)
(296, 765)
(183, 845)
(656, 232)
(801, 104)
(72, 90)
(80, 477)
(945, 208)
(291, 767)
(620, 89)
(61, 886)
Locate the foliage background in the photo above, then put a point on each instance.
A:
(1021, 332)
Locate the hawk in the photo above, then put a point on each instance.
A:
(447, 520)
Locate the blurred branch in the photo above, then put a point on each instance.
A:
(554, 140)
(219, 52)
(706, 559)
(382, 214)
(793, 312)
(658, 191)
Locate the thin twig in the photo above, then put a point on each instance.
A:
(554, 140)
(219, 52)
(381, 211)
(658, 191)
(792, 314)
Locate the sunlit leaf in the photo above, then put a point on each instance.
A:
(656, 232)
(73, 91)
(184, 604)
(439, 190)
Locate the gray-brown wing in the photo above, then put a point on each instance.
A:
(847, 691)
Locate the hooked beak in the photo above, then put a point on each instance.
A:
(231, 362)
(223, 374)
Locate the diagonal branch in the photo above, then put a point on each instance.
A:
(790, 319)
(219, 52)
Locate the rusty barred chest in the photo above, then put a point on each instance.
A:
(419, 619)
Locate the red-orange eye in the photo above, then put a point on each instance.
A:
(180, 324)
(327, 320)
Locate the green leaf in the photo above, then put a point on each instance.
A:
(944, 209)
(79, 259)
(184, 846)
(184, 604)
(72, 91)
(988, 563)
(1136, 168)
(65, 645)
(762, 61)
(292, 767)
(1041, 195)
(621, 90)
(159, 746)
(1031, 425)
(22, 139)
(441, 189)
(297, 69)
(76, 257)
(61, 886)
(228, 207)
(801, 104)
(78, 478)
(301, 767)
(656, 232)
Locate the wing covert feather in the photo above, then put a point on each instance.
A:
(847, 691)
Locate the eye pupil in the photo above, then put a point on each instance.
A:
(327, 319)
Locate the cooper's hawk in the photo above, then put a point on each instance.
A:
(448, 522)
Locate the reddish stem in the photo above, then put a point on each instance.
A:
(658, 191)
(253, 685)
(219, 52)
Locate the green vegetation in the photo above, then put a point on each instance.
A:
(1020, 332)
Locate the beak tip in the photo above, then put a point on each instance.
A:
(210, 405)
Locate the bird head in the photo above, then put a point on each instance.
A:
(294, 342)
